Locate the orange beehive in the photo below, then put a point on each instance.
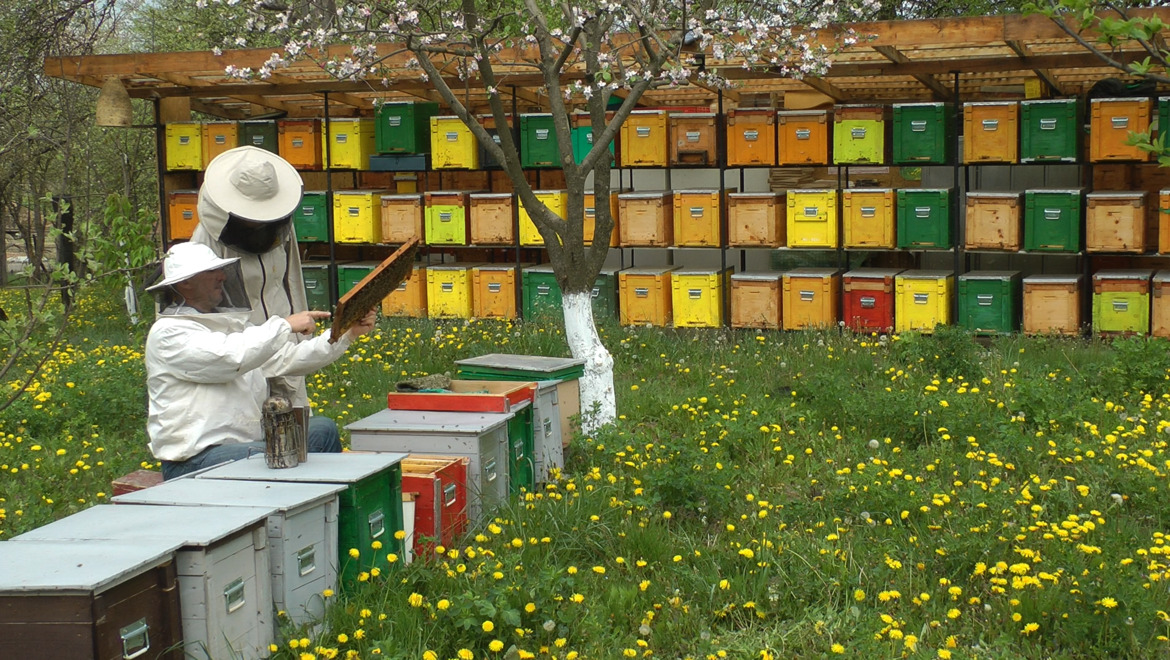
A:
(218, 137)
(755, 219)
(697, 218)
(810, 298)
(1160, 304)
(645, 296)
(990, 132)
(590, 213)
(803, 136)
(644, 139)
(751, 137)
(410, 297)
(755, 300)
(299, 142)
(493, 291)
(1110, 125)
(182, 216)
(1163, 222)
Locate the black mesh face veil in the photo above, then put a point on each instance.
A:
(251, 236)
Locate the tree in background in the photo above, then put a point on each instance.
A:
(593, 55)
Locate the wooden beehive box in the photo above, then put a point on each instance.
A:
(993, 221)
(491, 219)
(756, 219)
(1115, 222)
(646, 219)
(1052, 304)
(692, 138)
(402, 217)
(755, 300)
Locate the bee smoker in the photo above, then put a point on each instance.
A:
(283, 432)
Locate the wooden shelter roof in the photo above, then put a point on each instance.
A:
(983, 58)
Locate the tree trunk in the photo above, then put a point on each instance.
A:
(598, 399)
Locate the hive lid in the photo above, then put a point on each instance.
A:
(867, 190)
(691, 272)
(811, 191)
(1056, 191)
(347, 467)
(993, 195)
(1123, 274)
(433, 422)
(990, 275)
(647, 270)
(813, 272)
(758, 277)
(1115, 194)
(925, 274)
(760, 195)
(274, 494)
(990, 103)
(872, 273)
(1049, 102)
(934, 104)
(1162, 276)
(542, 268)
(509, 361)
(365, 193)
(449, 266)
(183, 526)
(698, 191)
(1122, 99)
(655, 194)
(1053, 278)
(72, 568)
(491, 195)
(696, 115)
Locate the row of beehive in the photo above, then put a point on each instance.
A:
(919, 133)
(208, 562)
(863, 299)
(908, 218)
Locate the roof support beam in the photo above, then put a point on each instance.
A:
(898, 57)
(1021, 49)
(827, 88)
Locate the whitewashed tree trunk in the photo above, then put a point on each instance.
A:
(598, 399)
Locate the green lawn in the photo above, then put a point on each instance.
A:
(767, 495)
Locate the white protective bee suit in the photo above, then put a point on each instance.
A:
(206, 373)
(263, 190)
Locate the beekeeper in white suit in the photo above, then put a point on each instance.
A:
(246, 205)
(207, 364)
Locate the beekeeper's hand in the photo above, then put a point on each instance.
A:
(305, 323)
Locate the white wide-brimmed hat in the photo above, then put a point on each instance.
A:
(186, 260)
(253, 184)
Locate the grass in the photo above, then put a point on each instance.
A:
(762, 495)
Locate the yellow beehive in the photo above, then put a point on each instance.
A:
(350, 143)
(697, 218)
(218, 137)
(357, 216)
(449, 292)
(697, 297)
(812, 218)
(756, 219)
(868, 215)
(184, 146)
(922, 299)
(809, 298)
(645, 296)
(410, 297)
(644, 139)
(453, 146)
(555, 201)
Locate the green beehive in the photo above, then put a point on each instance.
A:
(923, 133)
(1050, 131)
(583, 138)
(404, 127)
(540, 293)
(348, 275)
(605, 295)
(924, 218)
(316, 278)
(260, 133)
(989, 301)
(538, 141)
(1163, 116)
(1121, 301)
(1052, 220)
(369, 509)
(521, 450)
(311, 219)
(859, 134)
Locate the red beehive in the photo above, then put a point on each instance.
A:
(440, 512)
